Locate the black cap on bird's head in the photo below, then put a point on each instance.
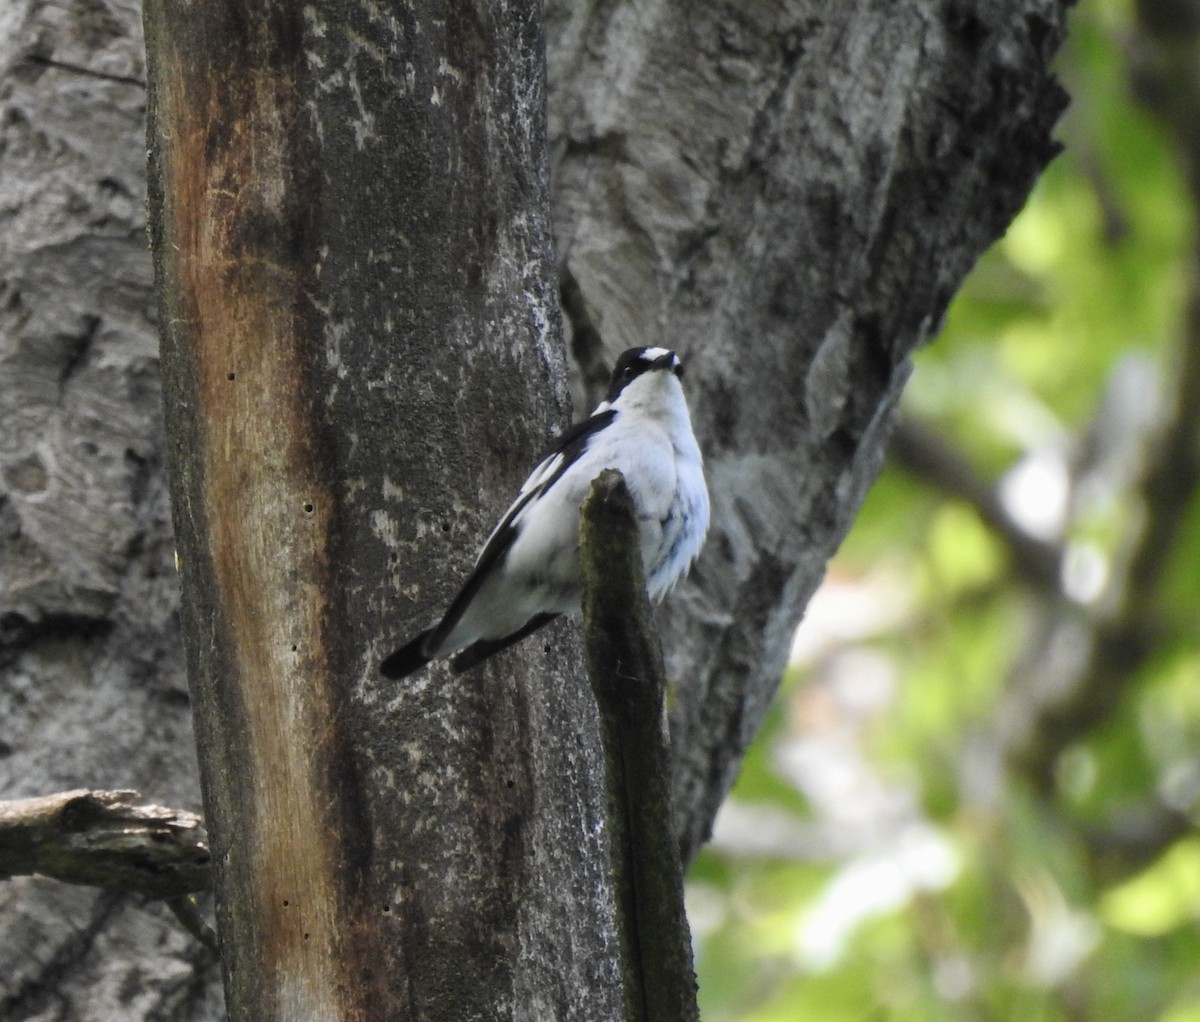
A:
(636, 361)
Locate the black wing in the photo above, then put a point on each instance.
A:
(550, 469)
(484, 648)
(566, 451)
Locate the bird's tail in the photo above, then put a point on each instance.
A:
(408, 658)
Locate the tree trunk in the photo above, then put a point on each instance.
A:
(789, 195)
(358, 285)
(786, 193)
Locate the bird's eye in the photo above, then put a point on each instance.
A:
(628, 373)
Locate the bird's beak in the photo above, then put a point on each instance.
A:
(670, 361)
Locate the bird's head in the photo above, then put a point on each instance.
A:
(645, 375)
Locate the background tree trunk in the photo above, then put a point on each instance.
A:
(786, 193)
(93, 682)
(789, 194)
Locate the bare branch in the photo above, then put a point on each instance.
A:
(625, 667)
(922, 452)
(109, 839)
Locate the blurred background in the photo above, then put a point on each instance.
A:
(975, 796)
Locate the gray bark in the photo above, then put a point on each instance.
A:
(350, 226)
(786, 193)
(92, 680)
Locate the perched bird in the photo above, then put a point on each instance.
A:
(528, 571)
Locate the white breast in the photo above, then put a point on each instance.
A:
(650, 442)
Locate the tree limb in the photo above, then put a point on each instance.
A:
(625, 666)
(927, 455)
(109, 839)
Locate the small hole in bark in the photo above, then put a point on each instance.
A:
(286, 903)
(308, 509)
(231, 376)
(445, 526)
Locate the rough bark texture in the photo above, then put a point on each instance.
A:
(92, 684)
(788, 193)
(626, 671)
(349, 218)
(105, 839)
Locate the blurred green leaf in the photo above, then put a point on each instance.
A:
(1164, 897)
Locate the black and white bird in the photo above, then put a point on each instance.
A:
(528, 571)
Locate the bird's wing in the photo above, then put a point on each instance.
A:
(479, 651)
(567, 450)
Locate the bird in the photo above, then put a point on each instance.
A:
(527, 573)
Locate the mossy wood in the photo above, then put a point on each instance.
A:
(625, 666)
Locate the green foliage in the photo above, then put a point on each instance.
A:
(923, 867)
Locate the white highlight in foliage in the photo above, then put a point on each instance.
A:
(1084, 572)
(1061, 937)
(1036, 492)
(872, 884)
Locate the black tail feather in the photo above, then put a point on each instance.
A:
(408, 658)
(484, 648)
